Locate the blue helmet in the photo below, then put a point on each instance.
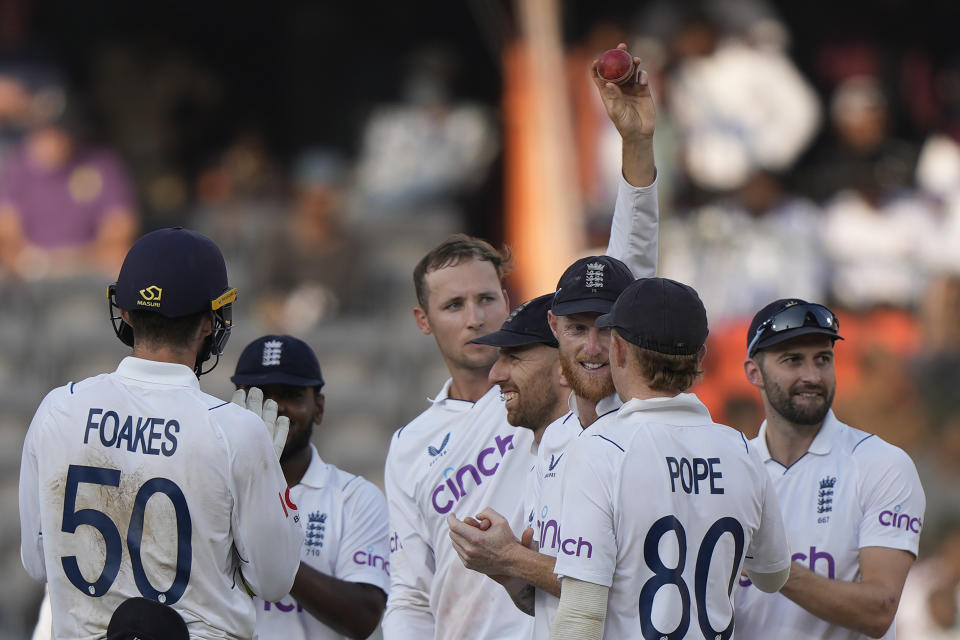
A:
(175, 272)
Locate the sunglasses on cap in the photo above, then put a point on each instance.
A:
(794, 317)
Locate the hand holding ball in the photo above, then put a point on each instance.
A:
(616, 65)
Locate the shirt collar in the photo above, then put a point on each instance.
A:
(444, 400)
(684, 409)
(822, 443)
(606, 405)
(317, 471)
(168, 373)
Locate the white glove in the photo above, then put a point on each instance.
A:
(277, 427)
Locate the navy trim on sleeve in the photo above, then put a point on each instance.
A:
(72, 385)
(745, 444)
(218, 406)
(861, 442)
(597, 435)
(348, 482)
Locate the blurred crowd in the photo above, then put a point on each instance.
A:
(837, 182)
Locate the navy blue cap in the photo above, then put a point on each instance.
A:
(661, 315)
(278, 360)
(143, 619)
(789, 318)
(527, 324)
(174, 272)
(590, 284)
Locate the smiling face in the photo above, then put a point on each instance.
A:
(529, 379)
(797, 378)
(584, 354)
(464, 301)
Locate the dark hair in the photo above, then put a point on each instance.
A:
(156, 330)
(453, 251)
(667, 372)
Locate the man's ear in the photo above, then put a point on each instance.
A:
(320, 401)
(618, 350)
(752, 370)
(552, 321)
(506, 299)
(423, 322)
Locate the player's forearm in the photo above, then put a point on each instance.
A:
(639, 169)
(352, 609)
(864, 607)
(533, 568)
(521, 592)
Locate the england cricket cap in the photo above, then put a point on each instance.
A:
(143, 619)
(789, 318)
(661, 315)
(590, 284)
(527, 324)
(278, 360)
(174, 272)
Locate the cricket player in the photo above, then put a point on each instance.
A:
(853, 503)
(99, 451)
(462, 455)
(341, 586)
(535, 395)
(662, 508)
(587, 289)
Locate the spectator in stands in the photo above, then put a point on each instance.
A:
(66, 208)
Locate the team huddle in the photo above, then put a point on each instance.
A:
(563, 484)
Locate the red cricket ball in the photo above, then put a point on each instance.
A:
(615, 65)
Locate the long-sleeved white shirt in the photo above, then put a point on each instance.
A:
(136, 483)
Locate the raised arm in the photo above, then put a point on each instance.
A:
(634, 230)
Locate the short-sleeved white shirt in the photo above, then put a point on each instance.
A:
(548, 495)
(345, 521)
(850, 490)
(666, 507)
(136, 483)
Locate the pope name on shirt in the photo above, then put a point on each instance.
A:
(152, 436)
(689, 474)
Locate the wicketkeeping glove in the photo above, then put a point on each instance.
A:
(277, 426)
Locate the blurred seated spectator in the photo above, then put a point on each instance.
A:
(739, 104)
(312, 263)
(759, 244)
(14, 111)
(931, 594)
(66, 208)
(427, 150)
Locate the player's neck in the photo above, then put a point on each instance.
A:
(788, 442)
(186, 357)
(559, 411)
(295, 466)
(469, 384)
(586, 411)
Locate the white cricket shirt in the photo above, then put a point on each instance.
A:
(456, 457)
(346, 537)
(666, 507)
(557, 439)
(136, 483)
(850, 490)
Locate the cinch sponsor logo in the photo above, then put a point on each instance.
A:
(900, 520)
(395, 542)
(450, 492)
(813, 559)
(286, 608)
(369, 559)
(550, 532)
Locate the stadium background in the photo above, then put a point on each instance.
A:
(363, 133)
